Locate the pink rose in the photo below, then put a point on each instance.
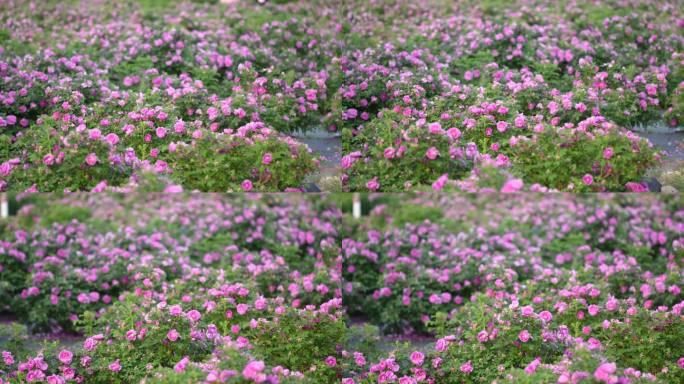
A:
(441, 345)
(175, 310)
(260, 304)
(55, 379)
(608, 153)
(351, 113)
(179, 126)
(636, 187)
(512, 186)
(173, 335)
(194, 315)
(65, 356)
(160, 166)
(612, 304)
(115, 366)
(440, 182)
(131, 335)
(604, 372)
(501, 126)
(161, 132)
(532, 367)
(91, 159)
(524, 336)
(432, 153)
(7, 357)
(520, 121)
(482, 336)
(180, 366)
(454, 133)
(48, 159)
(435, 128)
(253, 369)
(347, 162)
(417, 358)
(373, 184)
(593, 309)
(389, 153)
(546, 316)
(112, 138)
(527, 311)
(94, 134)
(247, 185)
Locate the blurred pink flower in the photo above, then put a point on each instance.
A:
(91, 159)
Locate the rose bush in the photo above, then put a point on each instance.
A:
(77, 115)
(522, 289)
(175, 89)
(209, 288)
(502, 75)
(165, 295)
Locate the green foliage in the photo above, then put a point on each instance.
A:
(223, 164)
(63, 213)
(415, 214)
(73, 173)
(559, 159)
(298, 341)
(152, 349)
(648, 343)
(410, 169)
(504, 350)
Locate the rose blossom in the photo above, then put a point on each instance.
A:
(373, 184)
(524, 336)
(432, 153)
(253, 369)
(115, 366)
(604, 372)
(175, 310)
(172, 335)
(194, 315)
(247, 185)
(91, 159)
(66, 356)
(417, 358)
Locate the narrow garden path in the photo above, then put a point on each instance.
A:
(329, 146)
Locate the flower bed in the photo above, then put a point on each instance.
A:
(209, 288)
(542, 94)
(192, 287)
(118, 97)
(204, 95)
(527, 289)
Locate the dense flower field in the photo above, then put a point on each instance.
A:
(125, 94)
(188, 289)
(513, 94)
(291, 289)
(430, 94)
(526, 289)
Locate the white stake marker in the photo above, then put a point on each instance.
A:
(356, 210)
(4, 206)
